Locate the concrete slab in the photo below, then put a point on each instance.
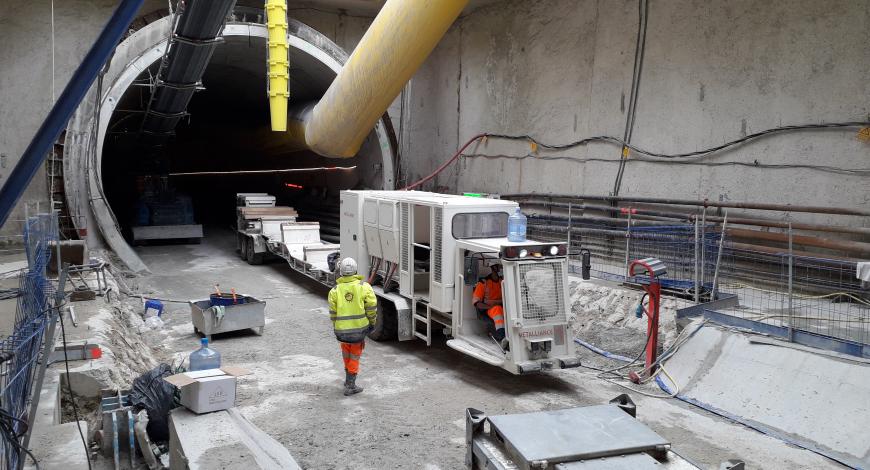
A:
(811, 399)
(55, 445)
(166, 232)
(224, 439)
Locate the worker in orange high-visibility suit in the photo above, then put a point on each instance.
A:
(487, 300)
(353, 309)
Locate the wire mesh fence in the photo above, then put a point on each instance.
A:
(776, 287)
(816, 295)
(614, 245)
(21, 351)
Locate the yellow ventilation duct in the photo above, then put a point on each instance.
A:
(401, 37)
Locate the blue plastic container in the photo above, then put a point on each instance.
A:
(154, 305)
(517, 227)
(225, 300)
(205, 357)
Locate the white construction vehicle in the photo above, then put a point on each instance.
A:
(424, 253)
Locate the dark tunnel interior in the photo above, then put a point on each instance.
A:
(225, 133)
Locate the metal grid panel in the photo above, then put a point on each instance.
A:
(20, 352)
(439, 229)
(542, 293)
(614, 245)
(824, 298)
(404, 236)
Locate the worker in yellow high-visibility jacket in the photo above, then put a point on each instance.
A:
(353, 309)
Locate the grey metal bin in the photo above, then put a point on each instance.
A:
(251, 314)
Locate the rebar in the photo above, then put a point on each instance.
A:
(714, 290)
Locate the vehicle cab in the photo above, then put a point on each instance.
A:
(534, 300)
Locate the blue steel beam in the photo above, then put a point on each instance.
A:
(65, 105)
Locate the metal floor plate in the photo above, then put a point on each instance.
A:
(575, 434)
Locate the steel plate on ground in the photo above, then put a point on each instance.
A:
(574, 434)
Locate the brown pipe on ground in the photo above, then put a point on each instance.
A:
(620, 234)
(825, 259)
(711, 218)
(704, 203)
(858, 248)
(611, 220)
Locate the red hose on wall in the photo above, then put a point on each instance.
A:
(445, 164)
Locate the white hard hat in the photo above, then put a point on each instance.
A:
(347, 267)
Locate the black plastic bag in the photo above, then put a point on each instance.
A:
(152, 393)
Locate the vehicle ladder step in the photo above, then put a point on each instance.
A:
(426, 320)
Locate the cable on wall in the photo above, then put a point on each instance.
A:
(639, 52)
(696, 153)
(755, 164)
(653, 156)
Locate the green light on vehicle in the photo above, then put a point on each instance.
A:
(472, 194)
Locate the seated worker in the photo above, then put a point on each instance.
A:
(487, 300)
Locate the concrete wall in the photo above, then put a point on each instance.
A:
(560, 70)
(26, 70)
(26, 77)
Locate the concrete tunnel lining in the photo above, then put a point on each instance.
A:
(142, 50)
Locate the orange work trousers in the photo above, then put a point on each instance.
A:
(496, 313)
(351, 352)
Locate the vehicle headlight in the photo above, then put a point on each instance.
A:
(554, 250)
(523, 253)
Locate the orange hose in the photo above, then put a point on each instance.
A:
(374, 271)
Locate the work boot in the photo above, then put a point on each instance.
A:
(350, 387)
(505, 344)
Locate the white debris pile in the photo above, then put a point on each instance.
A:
(603, 314)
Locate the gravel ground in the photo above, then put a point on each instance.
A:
(411, 414)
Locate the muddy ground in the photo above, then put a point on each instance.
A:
(411, 414)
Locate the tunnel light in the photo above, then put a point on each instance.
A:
(254, 172)
(294, 186)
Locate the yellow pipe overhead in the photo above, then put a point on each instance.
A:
(401, 37)
(279, 65)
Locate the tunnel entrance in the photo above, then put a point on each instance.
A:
(224, 145)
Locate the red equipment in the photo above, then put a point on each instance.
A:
(655, 268)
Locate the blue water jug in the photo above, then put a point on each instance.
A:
(517, 227)
(204, 357)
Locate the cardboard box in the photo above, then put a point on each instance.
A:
(204, 391)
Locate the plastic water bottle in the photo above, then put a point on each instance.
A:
(205, 357)
(517, 227)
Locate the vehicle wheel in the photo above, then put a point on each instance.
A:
(243, 250)
(240, 240)
(253, 257)
(387, 324)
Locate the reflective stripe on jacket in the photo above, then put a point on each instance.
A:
(352, 308)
